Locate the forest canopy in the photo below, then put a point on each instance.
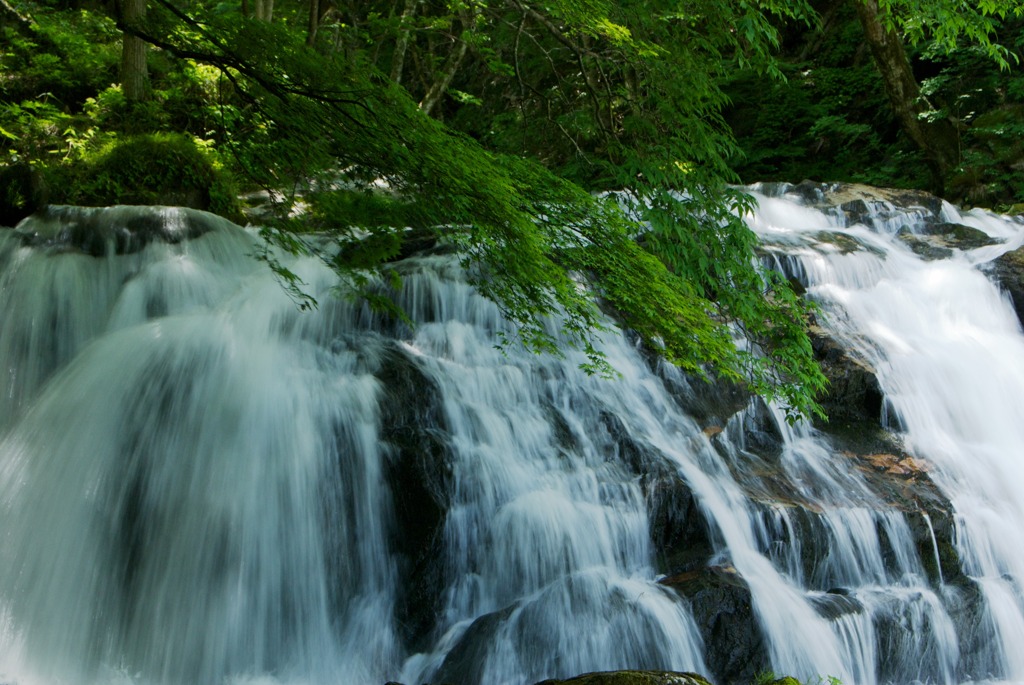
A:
(495, 126)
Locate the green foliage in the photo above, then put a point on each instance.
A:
(601, 94)
(528, 236)
(70, 54)
(31, 130)
(988, 101)
(950, 24)
(822, 122)
(830, 119)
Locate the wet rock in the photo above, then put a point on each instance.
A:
(722, 608)
(680, 532)
(835, 604)
(114, 230)
(418, 473)
(812, 192)
(639, 458)
(860, 202)
(939, 240)
(925, 248)
(980, 656)
(465, 661)
(1008, 271)
(844, 243)
(632, 678)
(934, 534)
(959, 236)
(853, 393)
(710, 401)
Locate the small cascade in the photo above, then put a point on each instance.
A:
(200, 483)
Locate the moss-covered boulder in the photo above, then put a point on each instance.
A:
(937, 241)
(632, 678)
(154, 169)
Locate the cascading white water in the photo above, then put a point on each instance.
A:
(945, 343)
(200, 484)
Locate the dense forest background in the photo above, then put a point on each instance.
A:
(797, 85)
(498, 125)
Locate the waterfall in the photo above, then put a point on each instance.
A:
(200, 483)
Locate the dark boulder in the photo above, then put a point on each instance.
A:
(836, 604)
(418, 473)
(465, 662)
(722, 608)
(1008, 271)
(681, 534)
(853, 393)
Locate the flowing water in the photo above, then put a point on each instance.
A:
(200, 483)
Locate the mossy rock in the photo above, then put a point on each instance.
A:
(842, 242)
(632, 678)
(925, 248)
(156, 169)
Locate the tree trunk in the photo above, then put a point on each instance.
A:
(134, 73)
(265, 10)
(398, 58)
(938, 139)
(318, 9)
(314, 22)
(440, 86)
(451, 66)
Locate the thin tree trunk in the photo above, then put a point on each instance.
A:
(398, 58)
(9, 13)
(452, 64)
(265, 10)
(937, 139)
(134, 73)
(314, 22)
(440, 86)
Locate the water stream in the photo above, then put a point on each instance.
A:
(201, 484)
